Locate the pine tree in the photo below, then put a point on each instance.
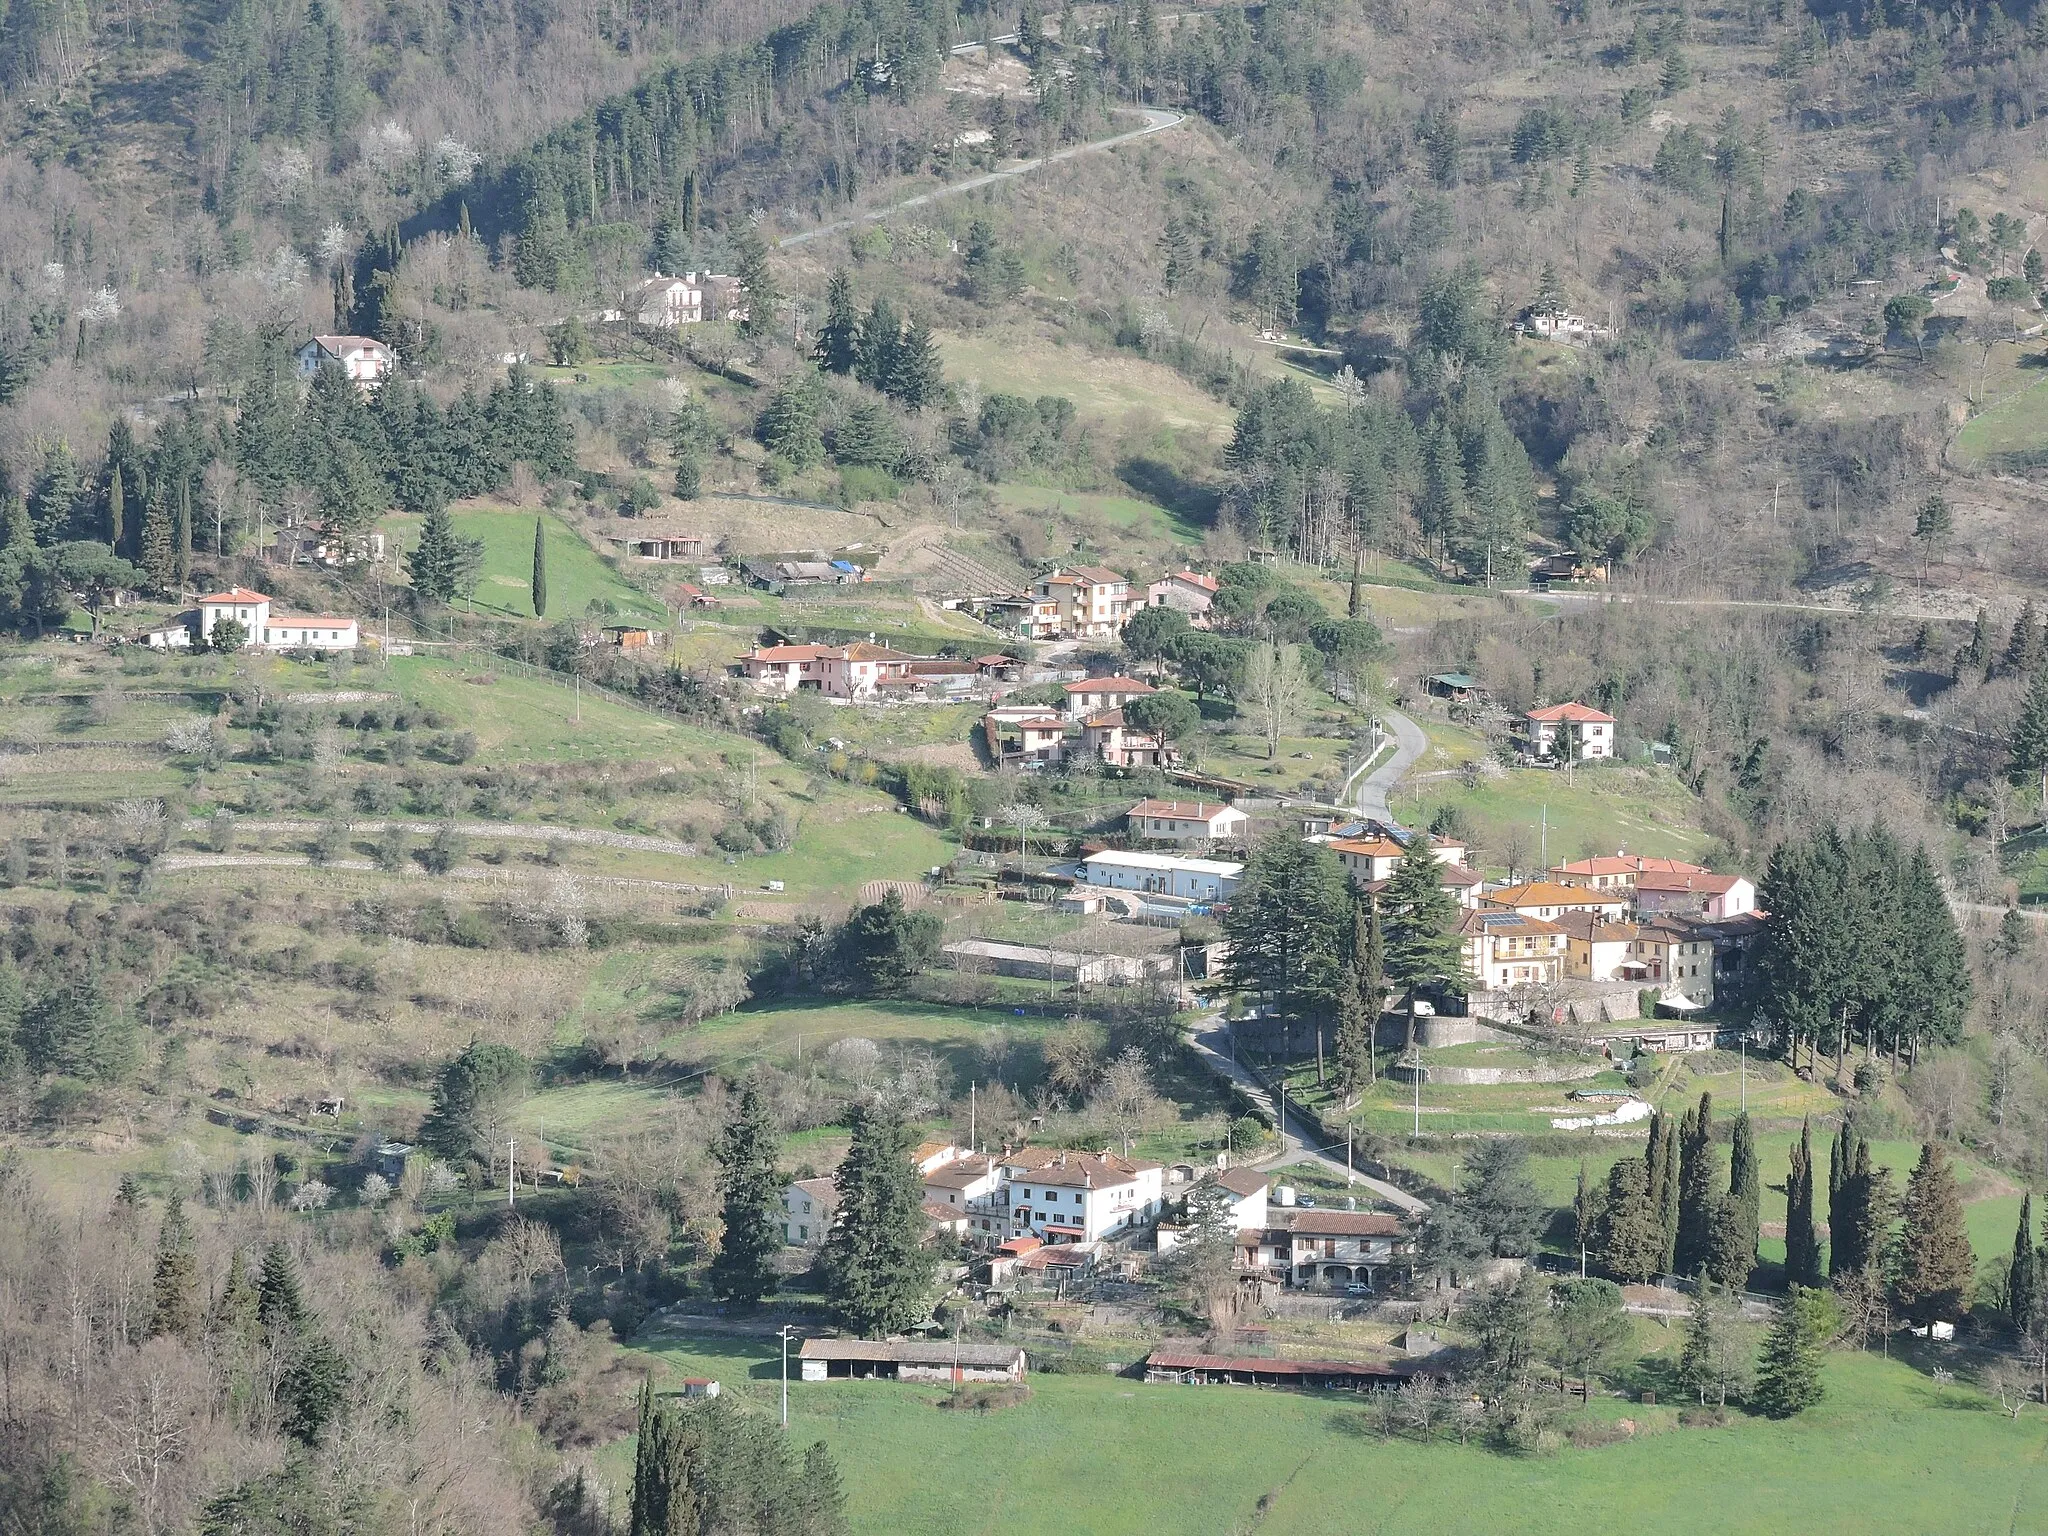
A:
(540, 569)
(159, 552)
(2027, 752)
(744, 1269)
(17, 530)
(2023, 1279)
(1788, 1369)
(789, 425)
(1935, 1264)
(878, 1272)
(434, 564)
(2023, 647)
(175, 1308)
(280, 1306)
(757, 277)
(822, 1498)
(237, 1312)
(1628, 1241)
(916, 376)
(1976, 650)
(874, 348)
(1746, 1186)
(1420, 932)
(835, 349)
(1697, 1167)
(1699, 1354)
(1802, 1241)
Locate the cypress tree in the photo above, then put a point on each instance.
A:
(2023, 1280)
(1697, 1357)
(1936, 1265)
(1840, 1209)
(1667, 1197)
(1802, 1241)
(1697, 1166)
(117, 509)
(744, 1269)
(540, 569)
(159, 554)
(175, 1289)
(1746, 1185)
(184, 554)
(1354, 1038)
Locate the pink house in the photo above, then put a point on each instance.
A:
(1709, 897)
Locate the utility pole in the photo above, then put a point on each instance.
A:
(511, 1160)
(1348, 1180)
(784, 1332)
(970, 1117)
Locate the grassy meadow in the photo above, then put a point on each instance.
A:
(1889, 1449)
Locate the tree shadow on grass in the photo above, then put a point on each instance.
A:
(1187, 499)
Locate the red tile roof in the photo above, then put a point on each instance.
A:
(1581, 714)
(235, 595)
(1627, 864)
(1179, 810)
(1109, 685)
(1551, 893)
(1369, 847)
(1689, 880)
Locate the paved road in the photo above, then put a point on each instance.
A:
(1409, 745)
(1157, 120)
(1211, 1040)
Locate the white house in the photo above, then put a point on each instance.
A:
(1093, 695)
(1078, 1197)
(1586, 733)
(808, 1207)
(1107, 737)
(1500, 950)
(1184, 821)
(956, 1184)
(836, 671)
(1163, 875)
(272, 630)
(364, 359)
(1089, 602)
(1019, 734)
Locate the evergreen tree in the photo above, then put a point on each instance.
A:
(821, 1499)
(1731, 1243)
(868, 437)
(182, 568)
(1420, 925)
(689, 435)
(159, 551)
(1802, 1240)
(175, 1307)
(1585, 1211)
(17, 531)
(789, 425)
(1788, 1369)
(1698, 1356)
(1628, 1241)
(916, 376)
(540, 569)
(2023, 646)
(54, 497)
(2027, 752)
(1697, 1166)
(1746, 1186)
(1655, 1152)
(757, 277)
(1666, 1196)
(836, 347)
(280, 1305)
(874, 349)
(878, 1272)
(1841, 1164)
(1287, 925)
(1354, 1038)
(744, 1268)
(1975, 651)
(472, 1097)
(2023, 1279)
(117, 509)
(433, 564)
(1935, 1265)
(1500, 1197)
(237, 1313)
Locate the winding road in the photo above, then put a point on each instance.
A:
(1409, 745)
(1157, 120)
(1211, 1041)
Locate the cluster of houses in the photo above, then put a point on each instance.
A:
(1092, 602)
(1038, 1212)
(1089, 726)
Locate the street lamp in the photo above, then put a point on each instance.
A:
(784, 1332)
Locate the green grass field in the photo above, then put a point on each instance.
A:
(1646, 810)
(1119, 517)
(1888, 1450)
(2013, 433)
(577, 578)
(1019, 361)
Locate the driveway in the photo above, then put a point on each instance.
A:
(1211, 1040)
(1409, 745)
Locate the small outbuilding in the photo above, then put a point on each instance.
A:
(1258, 1371)
(909, 1360)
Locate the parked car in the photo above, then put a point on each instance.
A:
(1307, 1202)
(1357, 1288)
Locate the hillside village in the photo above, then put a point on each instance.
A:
(864, 768)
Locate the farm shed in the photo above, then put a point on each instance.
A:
(910, 1360)
(1252, 1371)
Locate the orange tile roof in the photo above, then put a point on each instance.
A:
(1369, 847)
(1583, 714)
(1703, 881)
(236, 595)
(1550, 893)
(1108, 685)
(1178, 810)
(1627, 864)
